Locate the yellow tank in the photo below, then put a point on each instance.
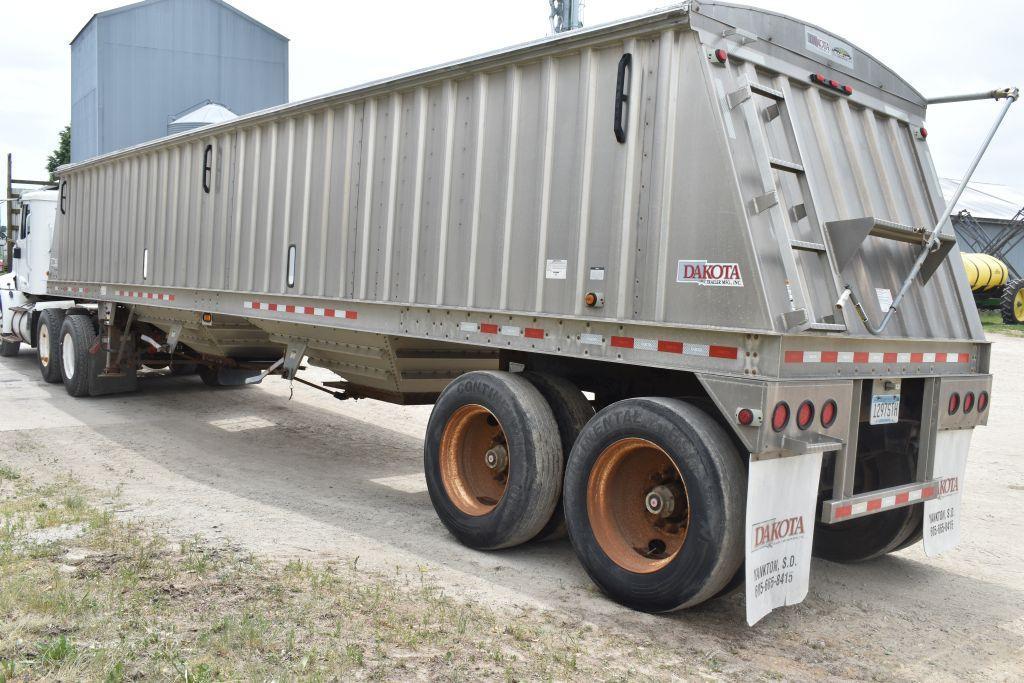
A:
(984, 272)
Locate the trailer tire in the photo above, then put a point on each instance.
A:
(572, 411)
(48, 344)
(9, 349)
(77, 336)
(184, 369)
(210, 374)
(865, 538)
(1012, 303)
(672, 452)
(492, 460)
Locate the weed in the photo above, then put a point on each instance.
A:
(8, 473)
(56, 651)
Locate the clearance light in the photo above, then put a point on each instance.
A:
(819, 79)
(721, 56)
(829, 412)
(780, 416)
(954, 403)
(805, 415)
(745, 417)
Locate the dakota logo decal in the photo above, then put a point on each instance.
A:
(768, 533)
(828, 46)
(949, 485)
(709, 274)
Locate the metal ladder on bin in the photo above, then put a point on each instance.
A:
(800, 316)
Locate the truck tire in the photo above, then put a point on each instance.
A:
(492, 460)
(654, 501)
(865, 538)
(48, 344)
(183, 369)
(1012, 303)
(9, 349)
(572, 411)
(77, 336)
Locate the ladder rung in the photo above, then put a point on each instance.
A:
(808, 246)
(765, 91)
(827, 327)
(780, 165)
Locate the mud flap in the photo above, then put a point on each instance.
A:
(782, 498)
(942, 514)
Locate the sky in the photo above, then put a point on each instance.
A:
(940, 46)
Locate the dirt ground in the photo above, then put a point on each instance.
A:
(315, 479)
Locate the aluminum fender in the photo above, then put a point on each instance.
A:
(10, 297)
(760, 396)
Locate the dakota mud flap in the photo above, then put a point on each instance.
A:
(782, 498)
(942, 514)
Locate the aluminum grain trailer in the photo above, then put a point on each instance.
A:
(723, 222)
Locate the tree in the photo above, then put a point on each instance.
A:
(61, 155)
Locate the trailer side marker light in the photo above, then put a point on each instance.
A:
(745, 417)
(780, 416)
(805, 415)
(818, 78)
(968, 402)
(982, 401)
(829, 412)
(721, 56)
(848, 90)
(954, 403)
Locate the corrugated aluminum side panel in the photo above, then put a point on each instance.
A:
(462, 192)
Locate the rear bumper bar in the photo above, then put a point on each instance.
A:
(864, 504)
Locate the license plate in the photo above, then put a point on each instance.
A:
(885, 409)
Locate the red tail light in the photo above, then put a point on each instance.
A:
(954, 403)
(745, 417)
(968, 402)
(829, 411)
(982, 401)
(805, 415)
(780, 416)
(721, 56)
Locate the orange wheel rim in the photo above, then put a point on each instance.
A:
(638, 506)
(474, 460)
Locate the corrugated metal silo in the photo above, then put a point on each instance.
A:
(133, 68)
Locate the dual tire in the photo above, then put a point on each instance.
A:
(653, 489)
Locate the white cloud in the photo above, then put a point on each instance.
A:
(941, 47)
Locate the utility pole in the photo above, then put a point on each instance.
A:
(566, 15)
(9, 208)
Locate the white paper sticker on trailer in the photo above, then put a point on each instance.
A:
(781, 502)
(942, 514)
(884, 298)
(556, 268)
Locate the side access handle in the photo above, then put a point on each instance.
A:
(622, 97)
(207, 168)
(63, 197)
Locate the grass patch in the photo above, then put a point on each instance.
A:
(115, 602)
(992, 321)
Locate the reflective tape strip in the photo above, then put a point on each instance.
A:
(852, 509)
(592, 339)
(676, 347)
(133, 294)
(314, 311)
(73, 290)
(874, 357)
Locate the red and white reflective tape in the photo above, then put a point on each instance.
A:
(925, 492)
(300, 310)
(875, 357)
(503, 330)
(676, 347)
(159, 296)
(73, 290)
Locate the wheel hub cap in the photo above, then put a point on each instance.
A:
(638, 505)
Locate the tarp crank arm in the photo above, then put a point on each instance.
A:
(1010, 95)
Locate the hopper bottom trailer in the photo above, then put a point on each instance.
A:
(721, 222)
